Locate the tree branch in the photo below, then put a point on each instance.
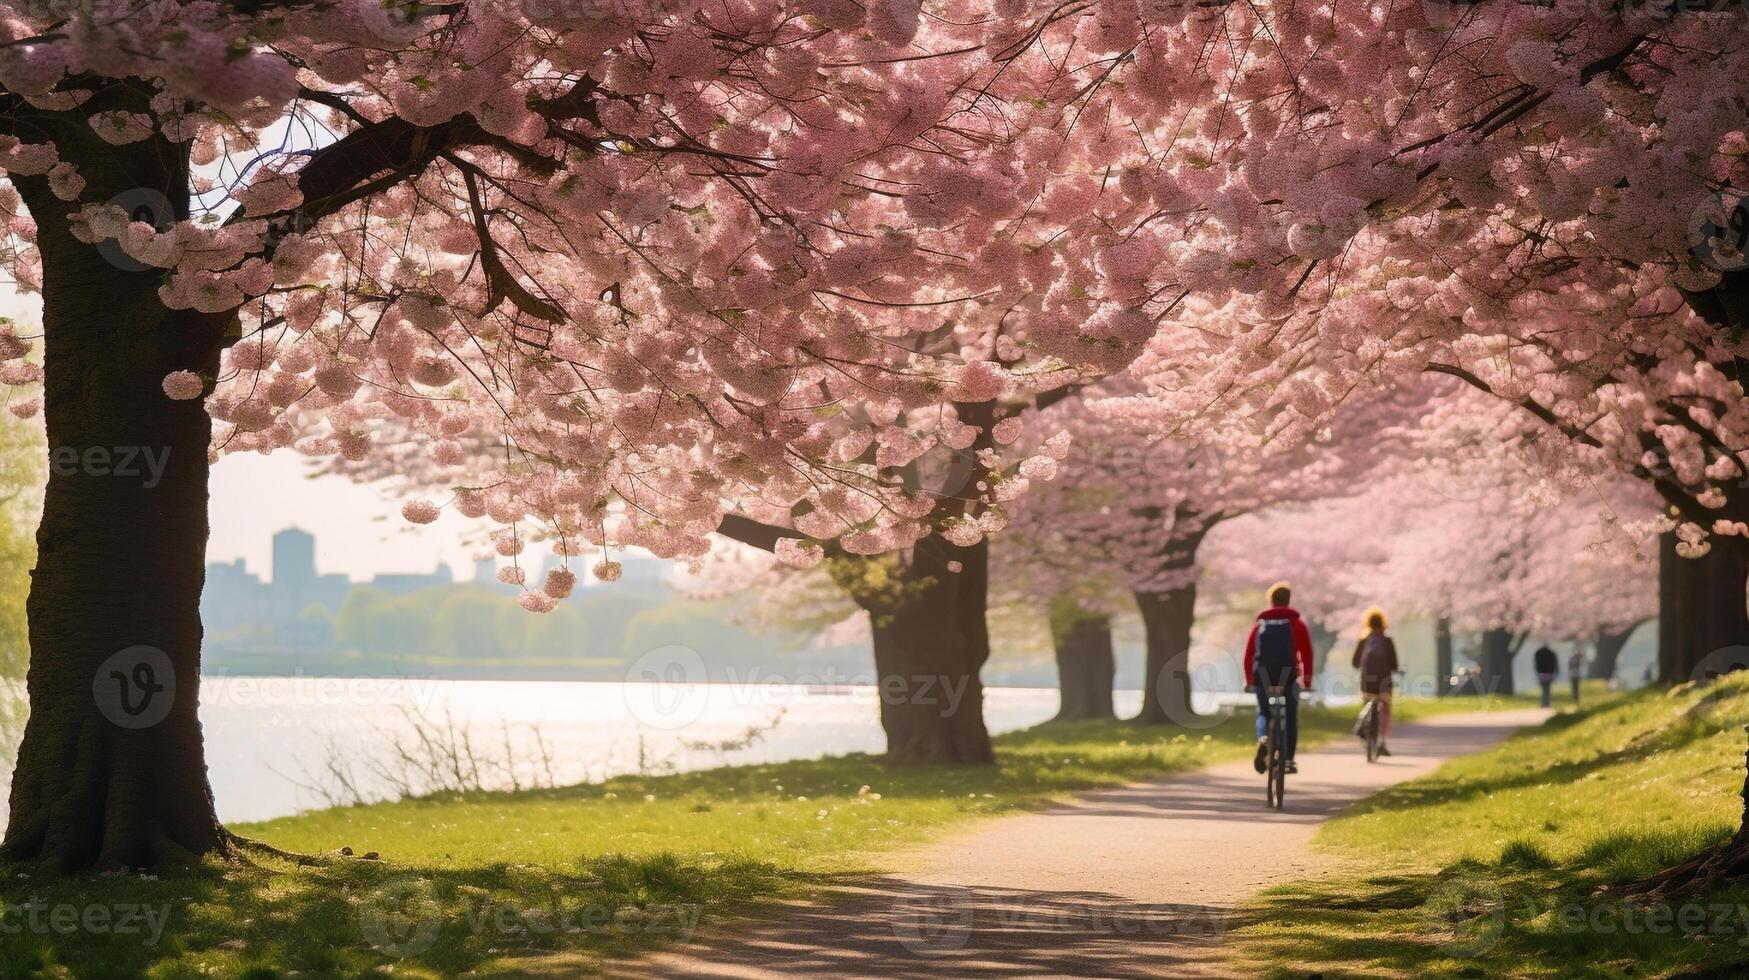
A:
(758, 534)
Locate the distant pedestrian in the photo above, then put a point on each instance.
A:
(1576, 668)
(1547, 664)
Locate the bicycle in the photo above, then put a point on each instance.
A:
(1275, 776)
(1369, 729)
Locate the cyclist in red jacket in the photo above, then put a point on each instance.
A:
(1278, 653)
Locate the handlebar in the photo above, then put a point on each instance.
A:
(1305, 693)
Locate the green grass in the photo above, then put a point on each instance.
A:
(551, 881)
(1492, 865)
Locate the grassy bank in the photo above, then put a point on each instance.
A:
(502, 884)
(1496, 861)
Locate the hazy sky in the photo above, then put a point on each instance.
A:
(358, 530)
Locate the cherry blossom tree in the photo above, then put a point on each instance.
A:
(927, 595)
(1139, 493)
(675, 254)
(662, 257)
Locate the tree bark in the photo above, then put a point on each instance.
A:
(1609, 647)
(1442, 662)
(111, 770)
(1725, 567)
(1703, 618)
(1086, 666)
(930, 642)
(1674, 621)
(1498, 650)
(1167, 618)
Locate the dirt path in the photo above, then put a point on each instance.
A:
(1133, 882)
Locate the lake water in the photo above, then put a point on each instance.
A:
(277, 745)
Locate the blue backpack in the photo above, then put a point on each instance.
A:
(1275, 646)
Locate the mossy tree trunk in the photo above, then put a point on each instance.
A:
(931, 640)
(1167, 619)
(1086, 664)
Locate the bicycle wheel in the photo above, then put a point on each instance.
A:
(1372, 731)
(1272, 742)
(1277, 793)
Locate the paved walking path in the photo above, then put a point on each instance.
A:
(1139, 881)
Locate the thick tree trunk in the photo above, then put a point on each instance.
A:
(1703, 618)
(1495, 658)
(930, 642)
(1167, 618)
(1442, 662)
(1674, 621)
(1726, 570)
(1609, 648)
(1086, 667)
(111, 771)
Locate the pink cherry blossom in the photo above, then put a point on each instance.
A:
(183, 385)
(420, 511)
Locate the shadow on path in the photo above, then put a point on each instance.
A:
(1135, 881)
(891, 927)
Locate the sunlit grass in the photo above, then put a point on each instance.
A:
(502, 884)
(1492, 866)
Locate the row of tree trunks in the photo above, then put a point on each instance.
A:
(1499, 648)
(930, 641)
(1086, 664)
(111, 770)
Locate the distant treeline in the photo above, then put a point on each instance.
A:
(468, 622)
